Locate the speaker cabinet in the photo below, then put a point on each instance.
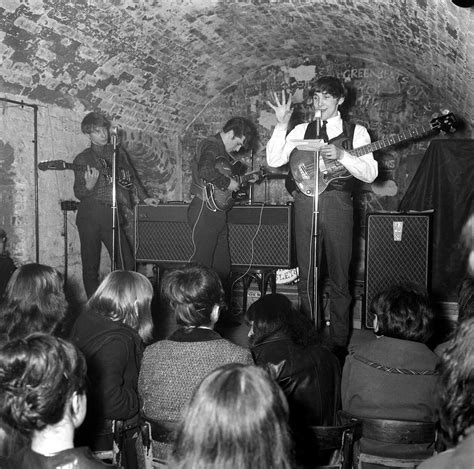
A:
(397, 249)
(259, 235)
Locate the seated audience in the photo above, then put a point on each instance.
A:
(465, 308)
(34, 302)
(173, 368)
(7, 266)
(284, 341)
(393, 376)
(111, 333)
(42, 379)
(456, 410)
(236, 419)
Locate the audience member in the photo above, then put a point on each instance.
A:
(34, 302)
(111, 333)
(42, 380)
(236, 419)
(394, 375)
(465, 308)
(456, 410)
(285, 342)
(173, 368)
(7, 266)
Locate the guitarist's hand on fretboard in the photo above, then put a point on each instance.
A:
(90, 176)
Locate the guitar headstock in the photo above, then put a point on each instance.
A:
(56, 165)
(445, 123)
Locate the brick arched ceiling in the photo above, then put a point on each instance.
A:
(150, 62)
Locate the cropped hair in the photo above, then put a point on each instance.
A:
(404, 312)
(330, 85)
(125, 296)
(192, 291)
(93, 121)
(275, 313)
(236, 419)
(34, 301)
(38, 376)
(456, 369)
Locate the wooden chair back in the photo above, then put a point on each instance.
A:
(394, 432)
(338, 439)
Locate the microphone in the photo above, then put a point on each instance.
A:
(114, 131)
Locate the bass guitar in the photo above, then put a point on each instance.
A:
(302, 161)
(124, 177)
(219, 200)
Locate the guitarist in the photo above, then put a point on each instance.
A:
(335, 208)
(94, 190)
(209, 228)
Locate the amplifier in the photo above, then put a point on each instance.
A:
(397, 249)
(259, 235)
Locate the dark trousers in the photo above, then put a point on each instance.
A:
(210, 239)
(94, 223)
(335, 224)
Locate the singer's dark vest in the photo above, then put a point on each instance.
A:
(343, 140)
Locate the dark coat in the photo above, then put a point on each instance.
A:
(113, 353)
(310, 377)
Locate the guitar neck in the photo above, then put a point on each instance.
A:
(388, 141)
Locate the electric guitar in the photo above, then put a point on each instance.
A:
(302, 161)
(219, 200)
(124, 177)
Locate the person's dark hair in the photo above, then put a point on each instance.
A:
(275, 313)
(456, 369)
(125, 296)
(242, 127)
(329, 84)
(236, 419)
(192, 292)
(34, 301)
(93, 121)
(466, 299)
(404, 312)
(38, 376)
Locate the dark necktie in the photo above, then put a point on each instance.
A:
(323, 133)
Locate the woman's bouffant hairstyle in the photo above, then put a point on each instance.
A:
(38, 376)
(125, 296)
(34, 301)
(192, 291)
(274, 313)
(236, 419)
(456, 369)
(404, 312)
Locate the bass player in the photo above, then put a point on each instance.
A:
(335, 208)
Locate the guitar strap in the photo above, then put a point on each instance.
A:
(344, 140)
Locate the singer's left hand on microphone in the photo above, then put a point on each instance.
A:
(331, 152)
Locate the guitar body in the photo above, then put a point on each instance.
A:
(303, 164)
(219, 200)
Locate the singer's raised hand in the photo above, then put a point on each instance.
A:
(282, 108)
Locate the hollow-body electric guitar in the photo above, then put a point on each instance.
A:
(302, 161)
(219, 200)
(124, 177)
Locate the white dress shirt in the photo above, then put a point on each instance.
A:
(280, 146)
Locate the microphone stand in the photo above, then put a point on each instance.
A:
(250, 202)
(114, 199)
(315, 316)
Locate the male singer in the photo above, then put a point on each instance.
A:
(335, 203)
